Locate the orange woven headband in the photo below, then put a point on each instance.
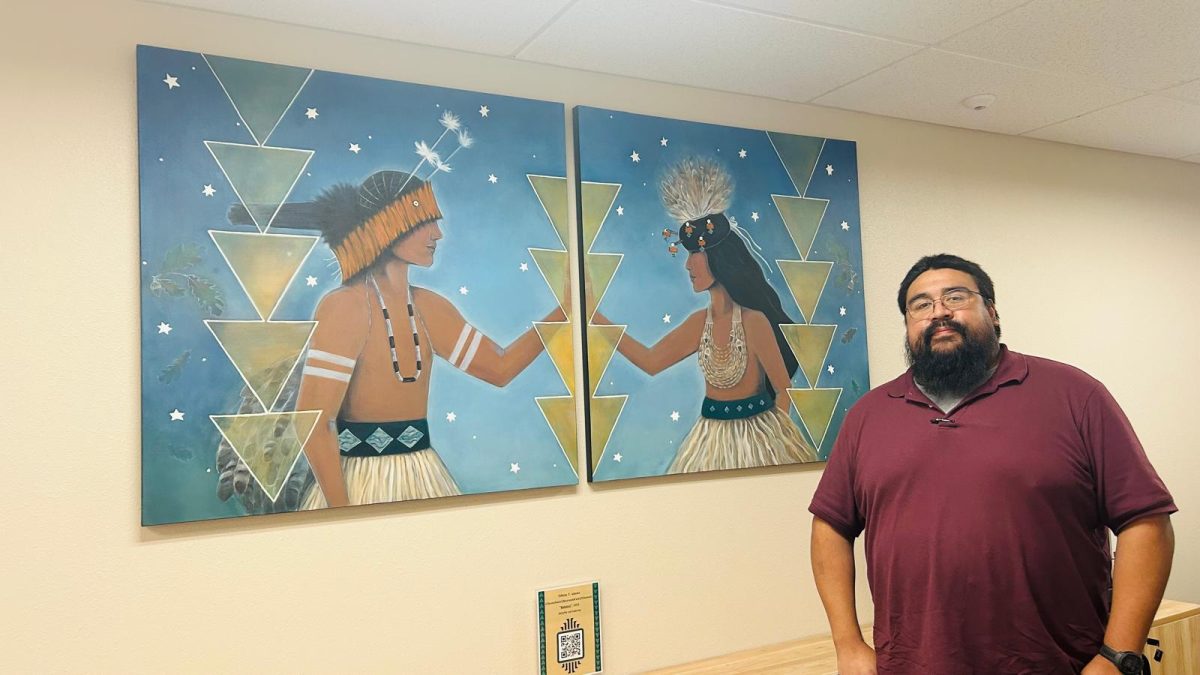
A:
(362, 246)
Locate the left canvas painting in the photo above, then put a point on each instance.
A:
(353, 290)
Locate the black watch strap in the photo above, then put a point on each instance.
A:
(1127, 663)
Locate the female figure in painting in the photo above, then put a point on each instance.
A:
(370, 361)
(743, 355)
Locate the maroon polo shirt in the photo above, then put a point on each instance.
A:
(985, 535)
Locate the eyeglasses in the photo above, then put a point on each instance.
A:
(956, 298)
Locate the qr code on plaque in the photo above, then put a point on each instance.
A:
(570, 645)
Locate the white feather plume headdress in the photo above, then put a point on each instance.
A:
(695, 187)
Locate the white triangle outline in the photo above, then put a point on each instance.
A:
(803, 254)
(239, 278)
(603, 220)
(299, 356)
(620, 259)
(529, 177)
(812, 172)
(832, 335)
(560, 447)
(546, 347)
(531, 249)
(817, 445)
(817, 303)
(261, 228)
(604, 450)
(291, 468)
(238, 112)
(624, 328)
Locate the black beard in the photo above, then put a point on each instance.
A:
(953, 372)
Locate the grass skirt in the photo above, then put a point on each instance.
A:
(765, 439)
(389, 478)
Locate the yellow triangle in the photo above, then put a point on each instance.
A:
(557, 339)
(599, 269)
(551, 191)
(605, 412)
(264, 264)
(816, 408)
(554, 266)
(264, 352)
(269, 443)
(810, 344)
(601, 343)
(802, 217)
(806, 281)
(559, 412)
(595, 200)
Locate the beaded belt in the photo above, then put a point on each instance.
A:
(372, 439)
(736, 410)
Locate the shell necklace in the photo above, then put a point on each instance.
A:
(412, 323)
(723, 367)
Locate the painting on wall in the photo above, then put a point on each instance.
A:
(354, 290)
(723, 297)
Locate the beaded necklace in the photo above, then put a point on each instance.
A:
(724, 367)
(412, 322)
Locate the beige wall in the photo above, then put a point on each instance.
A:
(1094, 254)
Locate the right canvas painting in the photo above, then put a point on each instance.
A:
(723, 294)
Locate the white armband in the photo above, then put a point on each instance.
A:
(465, 347)
(327, 365)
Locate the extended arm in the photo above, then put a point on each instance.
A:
(673, 348)
(469, 350)
(833, 571)
(1143, 563)
(342, 323)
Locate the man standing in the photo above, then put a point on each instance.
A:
(985, 481)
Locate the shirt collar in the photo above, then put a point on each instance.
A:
(1013, 368)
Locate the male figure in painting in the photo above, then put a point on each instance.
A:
(369, 363)
(985, 481)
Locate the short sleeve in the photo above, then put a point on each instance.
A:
(834, 501)
(1127, 487)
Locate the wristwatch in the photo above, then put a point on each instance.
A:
(1128, 663)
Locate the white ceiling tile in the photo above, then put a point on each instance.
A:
(1146, 45)
(496, 27)
(1184, 92)
(1148, 125)
(924, 21)
(931, 85)
(710, 46)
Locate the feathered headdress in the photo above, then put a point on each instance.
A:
(696, 192)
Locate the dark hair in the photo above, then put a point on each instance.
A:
(949, 261)
(738, 272)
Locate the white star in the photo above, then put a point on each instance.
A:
(841, 311)
(620, 210)
(635, 157)
(492, 178)
(514, 467)
(829, 169)
(164, 328)
(830, 369)
(450, 416)
(176, 415)
(663, 141)
(171, 81)
(845, 225)
(312, 113)
(354, 148)
(742, 153)
(462, 290)
(617, 457)
(483, 111)
(754, 216)
(209, 191)
(310, 280)
(666, 318)
(524, 267)
(674, 415)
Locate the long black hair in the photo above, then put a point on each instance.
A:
(733, 266)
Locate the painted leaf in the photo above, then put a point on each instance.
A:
(181, 258)
(207, 294)
(175, 368)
